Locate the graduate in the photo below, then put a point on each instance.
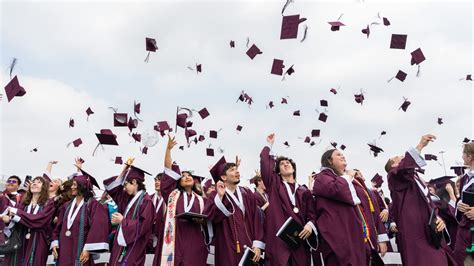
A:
(341, 224)
(83, 224)
(412, 208)
(260, 191)
(288, 199)
(156, 240)
(236, 218)
(464, 212)
(135, 215)
(184, 241)
(33, 216)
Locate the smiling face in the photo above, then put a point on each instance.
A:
(186, 180)
(36, 185)
(54, 185)
(12, 185)
(338, 161)
(74, 189)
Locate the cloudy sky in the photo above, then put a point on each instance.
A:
(75, 55)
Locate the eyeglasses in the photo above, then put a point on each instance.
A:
(12, 181)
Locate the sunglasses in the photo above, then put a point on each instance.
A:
(12, 181)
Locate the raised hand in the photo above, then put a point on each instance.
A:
(271, 138)
(237, 161)
(425, 140)
(220, 187)
(171, 142)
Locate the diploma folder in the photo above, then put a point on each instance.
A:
(289, 232)
(190, 215)
(468, 198)
(247, 259)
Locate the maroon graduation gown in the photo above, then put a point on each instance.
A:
(338, 220)
(95, 232)
(190, 246)
(277, 252)
(40, 228)
(260, 199)
(7, 200)
(136, 230)
(248, 227)
(411, 212)
(158, 229)
(446, 212)
(464, 235)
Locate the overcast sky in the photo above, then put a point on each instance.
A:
(72, 56)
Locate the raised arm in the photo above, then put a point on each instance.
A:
(170, 176)
(329, 185)
(267, 163)
(171, 143)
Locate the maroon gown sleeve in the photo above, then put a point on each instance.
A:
(216, 209)
(331, 186)
(59, 224)
(99, 227)
(40, 220)
(267, 164)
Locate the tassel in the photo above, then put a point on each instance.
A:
(372, 209)
(237, 243)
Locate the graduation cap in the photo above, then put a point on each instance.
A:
(253, 51)
(105, 137)
(270, 104)
(144, 150)
(289, 26)
(71, 122)
(181, 120)
(86, 180)
(458, 169)
(307, 139)
(197, 179)
(401, 75)
(203, 113)
(77, 142)
(405, 105)
(398, 41)
(366, 31)
(136, 107)
(315, 133)
(440, 182)
(376, 150)
(343, 147)
(277, 67)
(333, 90)
(210, 152)
(359, 98)
(118, 160)
(289, 71)
(431, 157)
(440, 121)
(232, 44)
(386, 22)
(377, 180)
(383, 133)
(284, 101)
(201, 138)
(239, 128)
(120, 119)
(420, 170)
(198, 68)
(218, 169)
(188, 133)
(34, 149)
(137, 137)
(135, 173)
(296, 113)
(335, 25)
(323, 103)
(13, 89)
(286, 144)
(150, 44)
(213, 134)
(417, 57)
(466, 140)
(89, 112)
(132, 123)
(468, 77)
(323, 117)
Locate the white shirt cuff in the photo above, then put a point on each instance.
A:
(382, 238)
(96, 246)
(315, 231)
(420, 161)
(172, 174)
(55, 243)
(16, 219)
(258, 244)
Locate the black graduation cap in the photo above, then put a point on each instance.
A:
(333, 90)
(86, 180)
(398, 41)
(431, 157)
(210, 152)
(286, 144)
(150, 44)
(366, 31)
(315, 133)
(466, 140)
(232, 44)
(71, 122)
(213, 134)
(106, 137)
(89, 112)
(458, 169)
(13, 89)
(296, 113)
(376, 150)
(440, 182)
(323, 117)
(323, 103)
(440, 121)
(335, 25)
(253, 51)
(359, 98)
(270, 104)
(118, 160)
(239, 128)
(405, 105)
(289, 26)
(386, 22)
(284, 101)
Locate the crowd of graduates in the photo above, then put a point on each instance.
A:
(342, 220)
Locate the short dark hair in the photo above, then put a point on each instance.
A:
(227, 166)
(17, 178)
(84, 191)
(159, 176)
(283, 158)
(326, 158)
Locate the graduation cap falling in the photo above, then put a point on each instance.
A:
(440, 121)
(76, 143)
(13, 89)
(136, 109)
(359, 98)
(366, 31)
(335, 25)
(232, 44)
(89, 112)
(105, 137)
(244, 97)
(386, 22)
(289, 26)
(398, 41)
(203, 113)
(253, 51)
(296, 113)
(150, 46)
(405, 105)
(120, 119)
(431, 157)
(284, 100)
(277, 67)
(333, 90)
(375, 150)
(323, 103)
(71, 122)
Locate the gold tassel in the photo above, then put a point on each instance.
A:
(372, 209)
(237, 246)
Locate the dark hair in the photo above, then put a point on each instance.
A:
(468, 148)
(44, 196)
(141, 186)
(84, 191)
(194, 188)
(64, 193)
(388, 165)
(279, 160)
(442, 193)
(326, 158)
(227, 166)
(256, 179)
(387, 201)
(17, 178)
(159, 176)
